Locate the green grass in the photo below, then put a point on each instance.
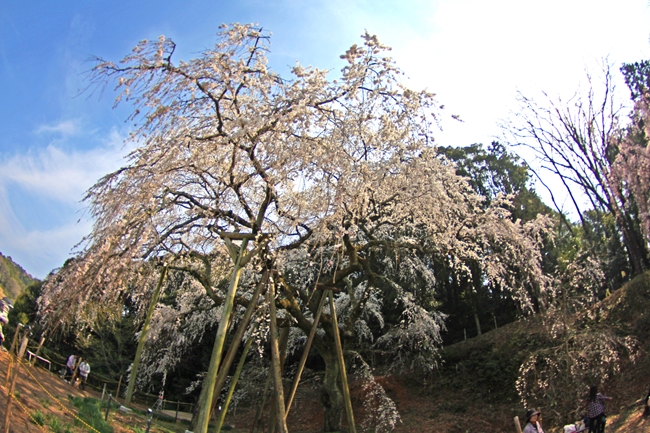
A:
(38, 418)
(57, 426)
(52, 422)
(90, 411)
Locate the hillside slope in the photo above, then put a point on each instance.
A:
(475, 389)
(13, 278)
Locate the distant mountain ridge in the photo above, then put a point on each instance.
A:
(13, 278)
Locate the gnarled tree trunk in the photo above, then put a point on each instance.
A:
(331, 395)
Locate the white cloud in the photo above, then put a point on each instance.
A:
(60, 175)
(56, 179)
(65, 128)
(41, 251)
(475, 55)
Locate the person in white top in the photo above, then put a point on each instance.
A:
(4, 319)
(84, 371)
(70, 365)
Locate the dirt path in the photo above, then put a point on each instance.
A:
(37, 390)
(43, 393)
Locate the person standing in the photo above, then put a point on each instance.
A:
(596, 410)
(532, 422)
(70, 365)
(84, 371)
(4, 319)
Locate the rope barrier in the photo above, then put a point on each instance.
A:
(57, 400)
(51, 354)
(54, 356)
(22, 406)
(143, 397)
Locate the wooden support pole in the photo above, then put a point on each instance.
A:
(282, 343)
(517, 425)
(38, 350)
(305, 354)
(143, 336)
(76, 370)
(260, 409)
(233, 384)
(119, 384)
(15, 340)
(207, 392)
(344, 377)
(237, 338)
(14, 377)
(276, 364)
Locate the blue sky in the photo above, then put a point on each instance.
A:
(56, 141)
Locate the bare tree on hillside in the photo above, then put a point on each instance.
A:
(576, 140)
(632, 164)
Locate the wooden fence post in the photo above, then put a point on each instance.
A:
(14, 377)
(11, 354)
(108, 406)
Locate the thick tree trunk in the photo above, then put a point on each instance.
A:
(331, 396)
(635, 246)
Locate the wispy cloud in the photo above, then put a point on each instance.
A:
(38, 251)
(61, 175)
(52, 181)
(66, 128)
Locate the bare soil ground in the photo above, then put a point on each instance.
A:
(43, 394)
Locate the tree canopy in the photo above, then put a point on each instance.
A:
(319, 183)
